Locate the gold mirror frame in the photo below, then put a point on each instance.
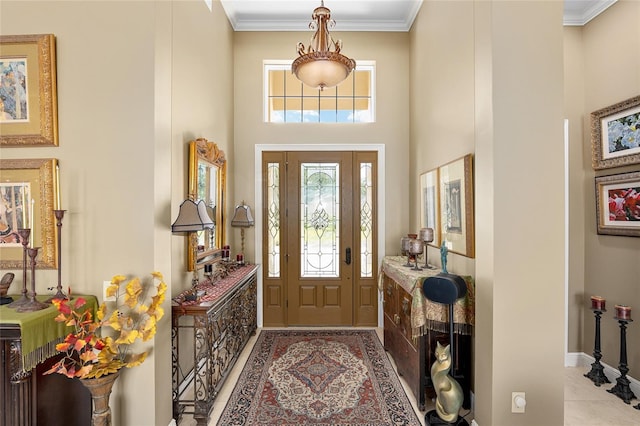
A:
(211, 179)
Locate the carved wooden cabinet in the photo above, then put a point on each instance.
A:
(412, 346)
(207, 336)
(398, 336)
(27, 350)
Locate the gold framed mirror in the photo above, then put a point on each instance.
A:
(207, 180)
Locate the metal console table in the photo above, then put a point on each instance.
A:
(207, 336)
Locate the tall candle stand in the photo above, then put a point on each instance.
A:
(622, 389)
(596, 374)
(59, 214)
(24, 234)
(32, 305)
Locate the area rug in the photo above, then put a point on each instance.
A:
(318, 377)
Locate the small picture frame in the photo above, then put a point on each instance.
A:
(430, 204)
(28, 92)
(456, 206)
(615, 135)
(27, 191)
(618, 204)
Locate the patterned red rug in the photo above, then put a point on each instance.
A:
(318, 377)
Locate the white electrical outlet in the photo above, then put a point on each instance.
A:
(105, 286)
(518, 402)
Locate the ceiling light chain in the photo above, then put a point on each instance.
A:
(320, 67)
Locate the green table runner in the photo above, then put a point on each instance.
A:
(40, 333)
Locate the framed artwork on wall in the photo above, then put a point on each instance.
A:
(618, 204)
(456, 206)
(615, 135)
(429, 204)
(27, 190)
(28, 92)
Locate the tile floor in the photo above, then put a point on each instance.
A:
(584, 403)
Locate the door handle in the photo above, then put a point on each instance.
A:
(348, 255)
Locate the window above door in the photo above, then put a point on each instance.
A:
(287, 100)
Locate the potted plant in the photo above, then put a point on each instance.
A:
(100, 345)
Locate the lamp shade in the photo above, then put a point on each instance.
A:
(192, 217)
(242, 217)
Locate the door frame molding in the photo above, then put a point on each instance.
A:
(260, 148)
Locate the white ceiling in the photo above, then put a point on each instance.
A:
(361, 15)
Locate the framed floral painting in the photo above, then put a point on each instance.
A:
(618, 204)
(615, 135)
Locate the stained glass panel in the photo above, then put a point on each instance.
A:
(320, 220)
(366, 220)
(273, 219)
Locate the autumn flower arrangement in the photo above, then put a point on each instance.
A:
(104, 344)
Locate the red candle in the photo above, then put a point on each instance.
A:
(597, 303)
(623, 312)
(240, 258)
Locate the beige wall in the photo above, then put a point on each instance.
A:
(132, 91)
(473, 100)
(391, 53)
(612, 263)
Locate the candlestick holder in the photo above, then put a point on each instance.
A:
(405, 246)
(416, 249)
(59, 214)
(32, 305)
(596, 374)
(622, 389)
(24, 234)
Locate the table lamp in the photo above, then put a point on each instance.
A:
(242, 218)
(193, 218)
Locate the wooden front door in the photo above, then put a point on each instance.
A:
(320, 268)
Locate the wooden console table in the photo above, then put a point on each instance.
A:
(413, 325)
(28, 340)
(207, 337)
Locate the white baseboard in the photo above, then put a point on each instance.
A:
(580, 359)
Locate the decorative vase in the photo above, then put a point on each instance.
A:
(100, 389)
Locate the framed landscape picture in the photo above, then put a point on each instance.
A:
(28, 93)
(618, 204)
(456, 206)
(615, 135)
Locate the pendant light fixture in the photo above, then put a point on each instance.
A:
(319, 66)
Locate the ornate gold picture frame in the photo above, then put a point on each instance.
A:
(618, 204)
(28, 92)
(27, 191)
(615, 135)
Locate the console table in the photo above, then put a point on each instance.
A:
(207, 336)
(413, 325)
(28, 340)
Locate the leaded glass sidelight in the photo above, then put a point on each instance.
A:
(273, 219)
(366, 220)
(320, 220)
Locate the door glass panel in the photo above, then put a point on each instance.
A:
(273, 219)
(366, 220)
(320, 220)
